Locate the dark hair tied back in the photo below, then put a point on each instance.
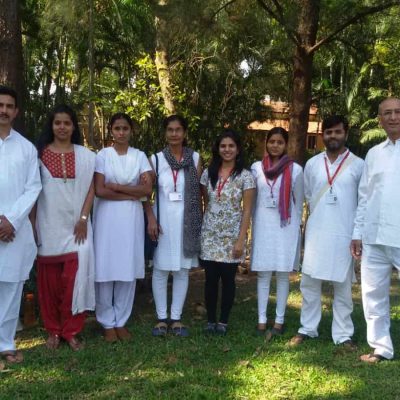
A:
(47, 135)
(117, 116)
(180, 119)
(278, 131)
(216, 161)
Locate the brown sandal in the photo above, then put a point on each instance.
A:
(12, 356)
(298, 339)
(53, 342)
(75, 344)
(123, 333)
(110, 335)
(372, 358)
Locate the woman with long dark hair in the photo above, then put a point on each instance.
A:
(64, 233)
(178, 233)
(121, 180)
(228, 191)
(276, 225)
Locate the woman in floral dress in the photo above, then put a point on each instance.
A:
(228, 191)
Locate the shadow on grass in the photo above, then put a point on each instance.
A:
(239, 366)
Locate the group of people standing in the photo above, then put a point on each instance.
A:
(199, 218)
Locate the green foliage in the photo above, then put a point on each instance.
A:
(207, 44)
(241, 365)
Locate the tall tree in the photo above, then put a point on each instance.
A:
(308, 32)
(11, 64)
(161, 55)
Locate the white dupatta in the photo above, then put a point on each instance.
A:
(83, 297)
(124, 173)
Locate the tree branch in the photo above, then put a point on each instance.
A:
(355, 18)
(222, 8)
(278, 16)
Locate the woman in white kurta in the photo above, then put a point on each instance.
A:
(121, 180)
(276, 225)
(178, 247)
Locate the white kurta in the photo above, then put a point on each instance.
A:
(59, 209)
(119, 225)
(378, 217)
(330, 226)
(19, 188)
(276, 248)
(168, 255)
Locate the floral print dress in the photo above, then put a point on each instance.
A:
(223, 216)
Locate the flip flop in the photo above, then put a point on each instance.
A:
(12, 356)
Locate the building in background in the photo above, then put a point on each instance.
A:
(278, 115)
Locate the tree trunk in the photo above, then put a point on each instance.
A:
(11, 64)
(161, 57)
(91, 75)
(302, 77)
(300, 104)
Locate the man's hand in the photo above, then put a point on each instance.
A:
(356, 249)
(7, 231)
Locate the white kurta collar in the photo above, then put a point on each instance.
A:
(338, 159)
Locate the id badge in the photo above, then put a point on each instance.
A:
(270, 202)
(175, 196)
(331, 198)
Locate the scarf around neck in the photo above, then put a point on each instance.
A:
(285, 168)
(192, 215)
(124, 172)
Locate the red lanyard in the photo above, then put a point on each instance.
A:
(175, 173)
(221, 184)
(331, 179)
(271, 186)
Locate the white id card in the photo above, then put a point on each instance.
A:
(269, 202)
(175, 196)
(331, 198)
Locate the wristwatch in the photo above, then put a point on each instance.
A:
(84, 217)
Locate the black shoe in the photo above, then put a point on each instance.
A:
(210, 329)
(221, 329)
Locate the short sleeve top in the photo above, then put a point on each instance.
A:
(223, 216)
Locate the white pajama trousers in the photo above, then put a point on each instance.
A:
(10, 302)
(282, 294)
(180, 285)
(376, 272)
(310, 316)
(114, 302)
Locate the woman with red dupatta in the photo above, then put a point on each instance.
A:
(276, 225)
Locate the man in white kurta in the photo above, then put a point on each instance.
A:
(377, 227)
(330, 185)
(19, 189)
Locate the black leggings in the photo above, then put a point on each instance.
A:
(214, 272)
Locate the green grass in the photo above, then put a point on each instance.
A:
(238, 366)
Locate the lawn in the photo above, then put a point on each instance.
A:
(238, 366)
